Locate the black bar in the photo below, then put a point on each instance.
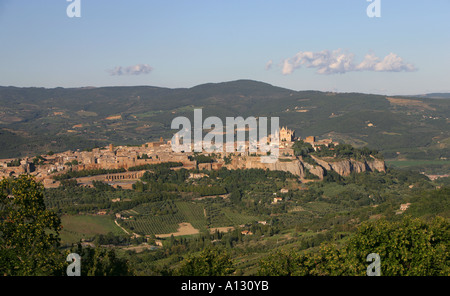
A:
(232, 285)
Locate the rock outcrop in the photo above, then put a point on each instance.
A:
(314, 169)
(345, 167)
(298, 167)
(376, 165)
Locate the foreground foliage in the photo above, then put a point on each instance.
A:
(29, 232)
(29, 236)
(212, 261)
(410, 247)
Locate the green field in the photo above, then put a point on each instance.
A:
(193, 213)
(199, 215)
(148, 114)
(218, 216)
(143, 222)
(321, 208)
(147, 225)
(430, 167)
(77, 227)
(239, 218)
(412, 163)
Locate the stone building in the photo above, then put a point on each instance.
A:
(286, 135)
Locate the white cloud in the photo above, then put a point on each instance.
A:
(269, 65)
(393, 63)
(131, 70)
(339, 62)
(288, 68)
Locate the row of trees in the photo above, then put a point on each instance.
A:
(304, 149)
(14, 163)
(151, 167)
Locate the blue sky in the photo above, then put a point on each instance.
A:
(328, 45)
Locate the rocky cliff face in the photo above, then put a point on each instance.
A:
(314, 169)
(376, 165)
(346, 166)
(298, 167)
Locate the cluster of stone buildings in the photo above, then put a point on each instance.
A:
(125, 157)
(110, 157)
(287, 136)
(317, 144)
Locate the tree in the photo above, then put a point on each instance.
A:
(236, 196)
(410, 247)
(14, 163)
(302, 148)
(101, 262)
(212, 261)
(68, 183)
(29, 233)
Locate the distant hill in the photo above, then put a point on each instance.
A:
(435, 96)
(36, 120)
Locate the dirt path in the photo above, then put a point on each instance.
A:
(115, 221)
(184, 229)
(134, 234)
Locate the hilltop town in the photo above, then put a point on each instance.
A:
(122, 163)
